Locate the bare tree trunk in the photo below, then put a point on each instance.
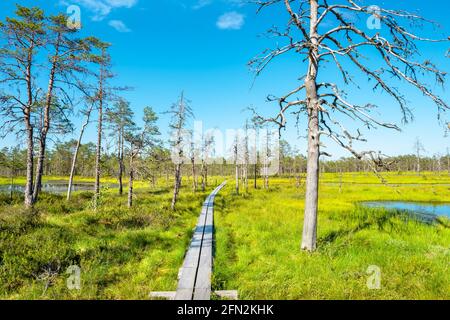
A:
(30, 168)
(194, 178)
(255, 175)
(121, 166)
(203, 176)
(29, 129)
(46, 127)
(130, 184)
(418, 163)
(246, 177)
(176, 188)
(39, 168)
(99, 137)
(98, 155)
(312, 179)
(75, 155)
(237, 178)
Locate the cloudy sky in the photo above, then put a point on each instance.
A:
(161, 47)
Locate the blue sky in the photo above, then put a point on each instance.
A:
(160, 47)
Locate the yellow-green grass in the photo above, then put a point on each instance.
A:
(123, 253)
(395, 178)
(258, 237)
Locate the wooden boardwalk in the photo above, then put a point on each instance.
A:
(195, 274)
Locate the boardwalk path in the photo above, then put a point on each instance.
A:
(195, 274)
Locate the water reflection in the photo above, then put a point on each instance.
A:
(436, 209)
(56, 187)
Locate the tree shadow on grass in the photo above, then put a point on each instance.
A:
(377, 220)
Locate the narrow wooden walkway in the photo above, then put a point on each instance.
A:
(195, 274)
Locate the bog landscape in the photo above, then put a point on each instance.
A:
(223, 150)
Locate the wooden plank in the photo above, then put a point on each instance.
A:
(195, 274)
(202, 290)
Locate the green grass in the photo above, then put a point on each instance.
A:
(123, 253)
(258, 239)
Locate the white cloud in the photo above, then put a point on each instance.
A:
(119, 26)
(122, 3)
(201, 3)
(102, 8)
(231, 21)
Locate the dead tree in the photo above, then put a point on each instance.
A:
(207, 145)
(101, 97)
(180, 112)
(193, 157)
(119, 119)
(236, 162)
(246, 156)
(324, 35)
(138, 140)
(418, 148)
(87, 114)
(448, 160)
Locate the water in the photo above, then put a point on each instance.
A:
(435, 209)
(54, 187)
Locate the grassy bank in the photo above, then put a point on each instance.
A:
(258, 238)
(122, 253)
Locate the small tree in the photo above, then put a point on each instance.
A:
(101, 97)
(236, 162)
(207, 145)
(418, 148)
(120, 119)
(139, 139)
(180, 112)
(87, 114)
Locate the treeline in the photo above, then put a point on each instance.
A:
(155, 163)
(48, 74)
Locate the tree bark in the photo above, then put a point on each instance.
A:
(30, 167)
(194, 178)
(203, 176)
(75, 155)
(121, 166)
(29, 129)
(130, 185)
(39, 168)
(176, 188)
(312, 180)
(46, 125)
(99, 137)
(255, 175)
(237, 178)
